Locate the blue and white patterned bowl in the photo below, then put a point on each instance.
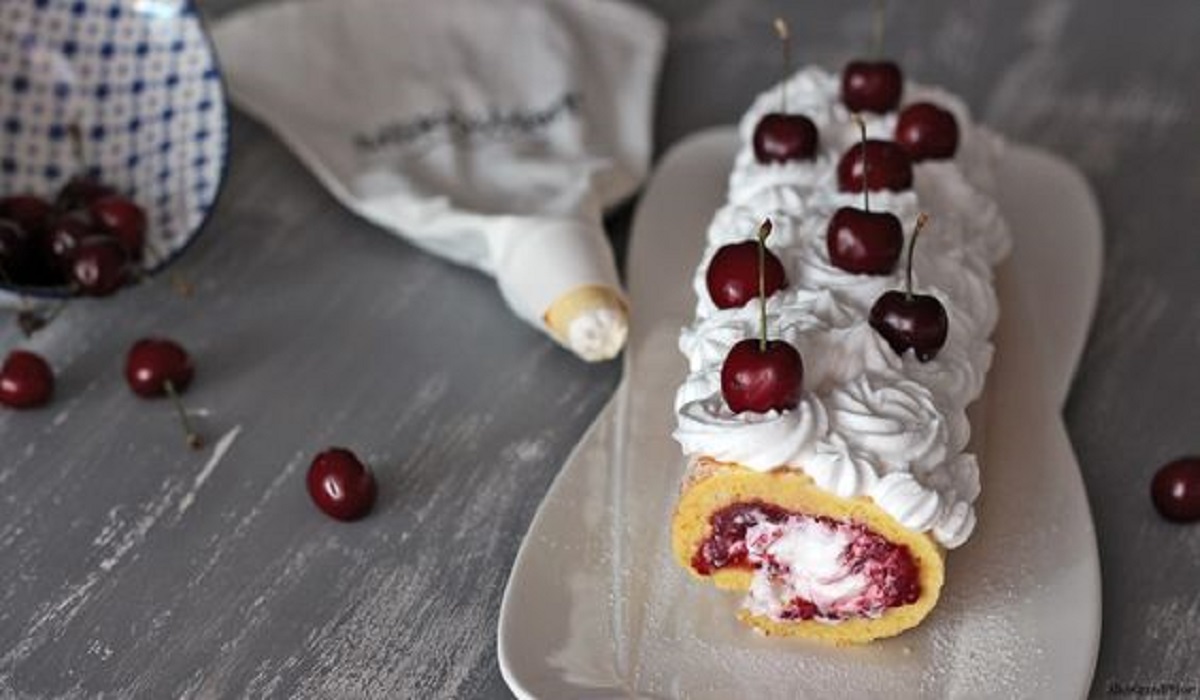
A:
(140, 79)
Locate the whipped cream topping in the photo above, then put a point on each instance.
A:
(871, 423)
(598, 334)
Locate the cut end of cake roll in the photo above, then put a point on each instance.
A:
(812, 564)
(592, 321)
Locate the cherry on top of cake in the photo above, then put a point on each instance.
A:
(780, 137)
(862, 241)
(924, 130)
(911, 321)
(760, 374)
(927, 132)
(732, 278)
(873, 85)
(876, 165)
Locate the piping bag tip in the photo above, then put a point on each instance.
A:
(591, 320)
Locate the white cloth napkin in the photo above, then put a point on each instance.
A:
(492, 132)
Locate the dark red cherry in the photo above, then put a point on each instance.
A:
(21, 259)
(864, 242)
(340, 485)
(153, 362)
(927, 132)
(65, 235)
(871, 86)
(916, 321)
(26, 380)
(732, 276)
(754, 378)
(99, 266)
(120, 217)
(779, 138)
(79, 192)
(889, 167)
(16, 250)
(161, 367)
(1175, 490)
(30, 212)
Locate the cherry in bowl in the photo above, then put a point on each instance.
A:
(164, 148)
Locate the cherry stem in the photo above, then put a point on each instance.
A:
(190, 436)
(76, 134)
(763, 231)
(781, 28)
(862, 131)
(912, 243)
(877, 28)
(32, 321)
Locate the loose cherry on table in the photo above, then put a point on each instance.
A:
(26, 380)
(340, 484)
(890, 167)
(871, 86)
(1175, 490)
(780, 137)
(860, 240)
(733, 273)
(758, 374)
(161, 367)
(906, 320)
(927, 132)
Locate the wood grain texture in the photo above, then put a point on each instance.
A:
(133, 567)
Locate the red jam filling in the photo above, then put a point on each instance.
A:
(889, 568)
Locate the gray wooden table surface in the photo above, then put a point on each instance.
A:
(132, 567)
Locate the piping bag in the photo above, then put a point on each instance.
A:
(494, 133)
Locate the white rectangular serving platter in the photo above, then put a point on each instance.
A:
(596, 607)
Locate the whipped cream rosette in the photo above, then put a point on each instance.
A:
(834, 517)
